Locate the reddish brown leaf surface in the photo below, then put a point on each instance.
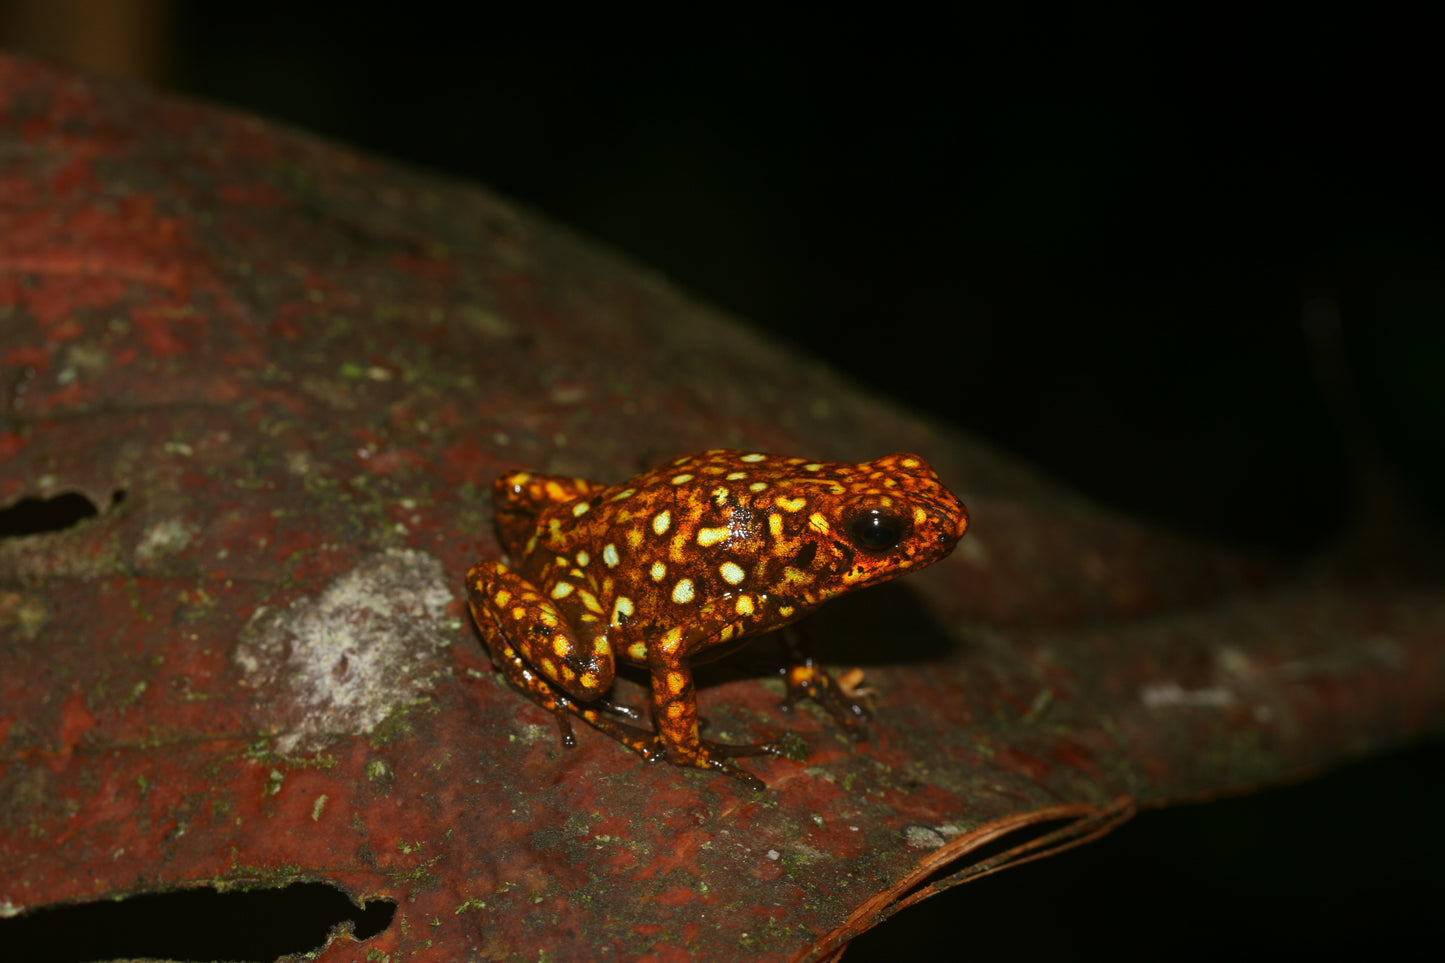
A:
(303, 368)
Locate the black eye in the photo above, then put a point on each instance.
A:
(877, 530)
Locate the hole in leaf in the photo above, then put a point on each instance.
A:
(198, 924)
(35, 516)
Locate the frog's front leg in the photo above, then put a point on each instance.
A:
(806, 679)
(674, 714)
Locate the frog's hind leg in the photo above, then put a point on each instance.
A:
(500, 604)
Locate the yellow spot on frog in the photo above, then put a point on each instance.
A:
(732, 573)
(519, 613)
(795, 576)
(625, 493)
(681, 479)
(753, 457)
(589, 600)
(658, 571)
(786, 611)
(708, 537)
(661, 521)
(638, 651)
(675, 683)
(682, 592)
(588, 680)
(919, 516)
(609, 555)
(580, 509)
(582, 559)
(561, 590)
(736, 476)
(502, 598)
(745, 605)
(791, 504)
(909, 463)
(720, 496)
(818, 523)
(775, 526)
(671, 639)
(758, 487)
(621, 609)
(634, 537)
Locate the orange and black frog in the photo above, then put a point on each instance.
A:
(678, 565)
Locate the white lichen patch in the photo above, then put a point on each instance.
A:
(339, 662)
(170, 536)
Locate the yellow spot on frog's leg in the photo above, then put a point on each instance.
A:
(638, 651)
(661, 521)
(708, 537)
(561, 646)
(818, 523)
(502, 598)
(726, 633)
(589, 600)
(919, 516)
(580, 509)
(582, 559)
(753, 457)
(609, 555)
(681, 479)
(682, 592)
(561, 590)
(658, 571)
(675, 683)
(671, 639)
(732, 573)
(621, 609)
(588, 680)
(786, 611)
(547, 619)
(775, 526)
(567, 672)
(745, 605)
(736, 476)
(758, 487)
(674, 711)
(791, 504)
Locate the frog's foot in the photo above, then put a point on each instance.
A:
(641, 741)
(616, 708)
(808, 680)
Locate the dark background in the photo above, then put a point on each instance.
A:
(1113, 244)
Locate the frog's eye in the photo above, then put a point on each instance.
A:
(877, 529)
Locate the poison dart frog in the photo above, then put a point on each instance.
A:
(678, 565)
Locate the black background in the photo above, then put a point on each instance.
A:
(1090, 237)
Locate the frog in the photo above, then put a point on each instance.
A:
(681, 565)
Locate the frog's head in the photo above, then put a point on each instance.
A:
(863, 524)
